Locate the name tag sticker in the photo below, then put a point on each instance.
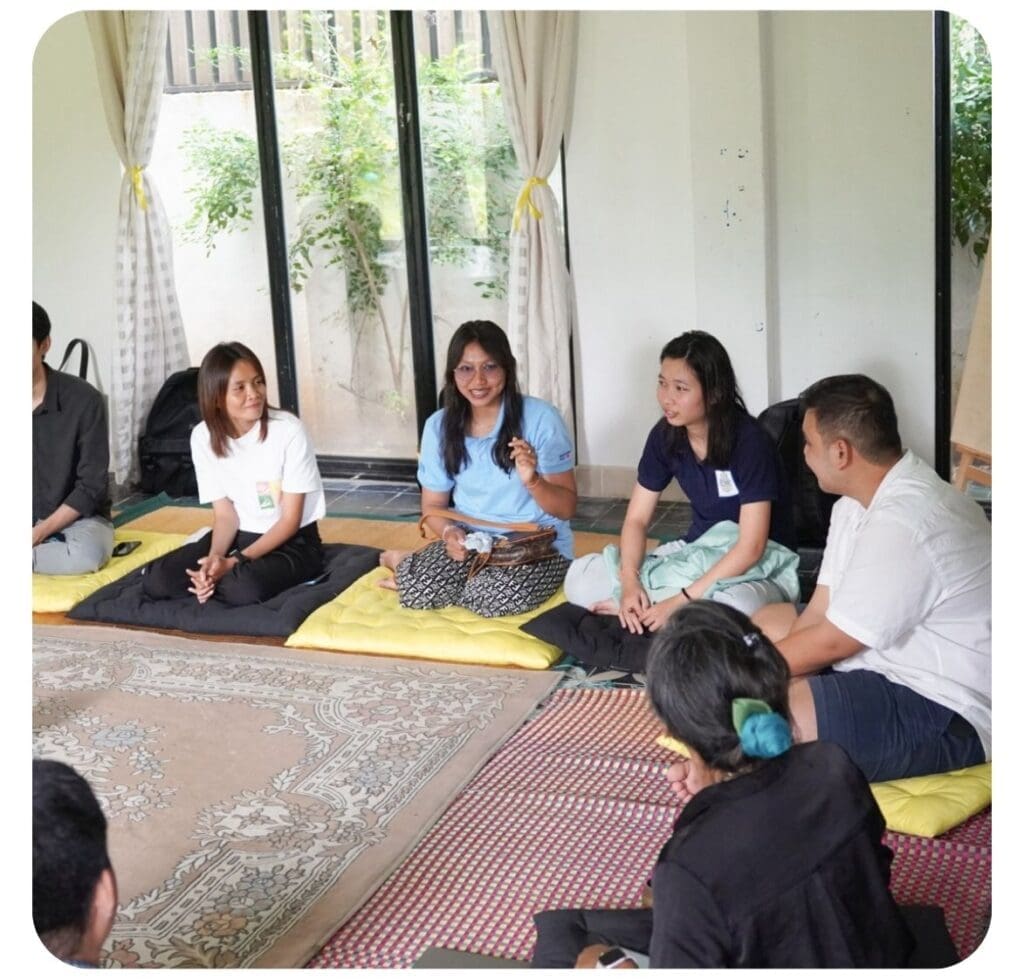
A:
(726, 484)
(268, 494)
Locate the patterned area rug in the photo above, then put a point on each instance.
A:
(257, 796)
(572, 813)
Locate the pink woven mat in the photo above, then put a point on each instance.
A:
(957, 876)
(572, 813)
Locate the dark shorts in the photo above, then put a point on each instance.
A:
(889, 730)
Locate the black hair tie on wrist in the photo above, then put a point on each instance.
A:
(686, 594)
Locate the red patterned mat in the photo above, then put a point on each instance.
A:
(957, 876)
(572, 813)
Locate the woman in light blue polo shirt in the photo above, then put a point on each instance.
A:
(497, 455)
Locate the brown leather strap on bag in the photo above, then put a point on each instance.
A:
(457, 517)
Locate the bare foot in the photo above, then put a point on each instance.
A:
(391, 559)
(389, 583)
(687, 777)
(607, 606)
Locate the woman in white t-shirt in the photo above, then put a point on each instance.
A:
(256, 465)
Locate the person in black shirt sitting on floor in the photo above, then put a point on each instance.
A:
(777, 858)
(71, 528)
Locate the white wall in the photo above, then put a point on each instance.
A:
(850, 95)
(821, 264)
(628, 190)
(75, 182)
(831, 247)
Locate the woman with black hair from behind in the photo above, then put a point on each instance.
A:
(777, 858)
(497, 455)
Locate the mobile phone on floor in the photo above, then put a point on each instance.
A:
(123, 547)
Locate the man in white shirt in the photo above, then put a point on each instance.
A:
(892, 656)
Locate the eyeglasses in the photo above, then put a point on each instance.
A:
(466, 371)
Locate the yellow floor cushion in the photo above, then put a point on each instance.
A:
(923, 806)
(59, 593)
(368, 619)
(932, 804)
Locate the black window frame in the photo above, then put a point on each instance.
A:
(415, 228)
(943, 248)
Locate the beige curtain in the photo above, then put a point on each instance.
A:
(535, 58)
(129, 48)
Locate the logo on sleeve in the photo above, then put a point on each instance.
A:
(726, 484)
(268, 494)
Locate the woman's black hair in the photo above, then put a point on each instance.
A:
(69, 854)
(457, 410)
(723, 403)
(704, 657)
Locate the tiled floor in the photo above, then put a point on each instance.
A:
(369, 498)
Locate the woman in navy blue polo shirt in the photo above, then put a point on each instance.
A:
(498, 456)
(729, 469)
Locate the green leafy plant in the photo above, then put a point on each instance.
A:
(227, 169)
(971, 118)
(344, 173)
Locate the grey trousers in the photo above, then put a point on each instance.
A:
(80, 548)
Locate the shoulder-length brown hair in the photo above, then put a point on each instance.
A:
(214, 374)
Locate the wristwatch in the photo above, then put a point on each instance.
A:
(614, 958)
(237, 554)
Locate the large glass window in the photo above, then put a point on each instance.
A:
(342, 214)
(469, 171)
(206, 166)
(335, 101)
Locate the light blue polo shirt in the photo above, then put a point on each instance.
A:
(483, 489)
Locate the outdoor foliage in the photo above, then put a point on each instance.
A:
(344, 173)
(227, 168)
(971, 117)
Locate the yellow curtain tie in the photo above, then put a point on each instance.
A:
(523, 202)
(140, 194)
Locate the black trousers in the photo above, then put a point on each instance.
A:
(563, 934)
(298, 559)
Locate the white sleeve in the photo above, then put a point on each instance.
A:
(838, 527)
(888, 587)
(299, 474)
(205, 464)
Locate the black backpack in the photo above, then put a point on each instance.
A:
(165, 460)
(812, 508)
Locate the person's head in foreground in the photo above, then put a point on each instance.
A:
(74, 892)
(721, 688)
